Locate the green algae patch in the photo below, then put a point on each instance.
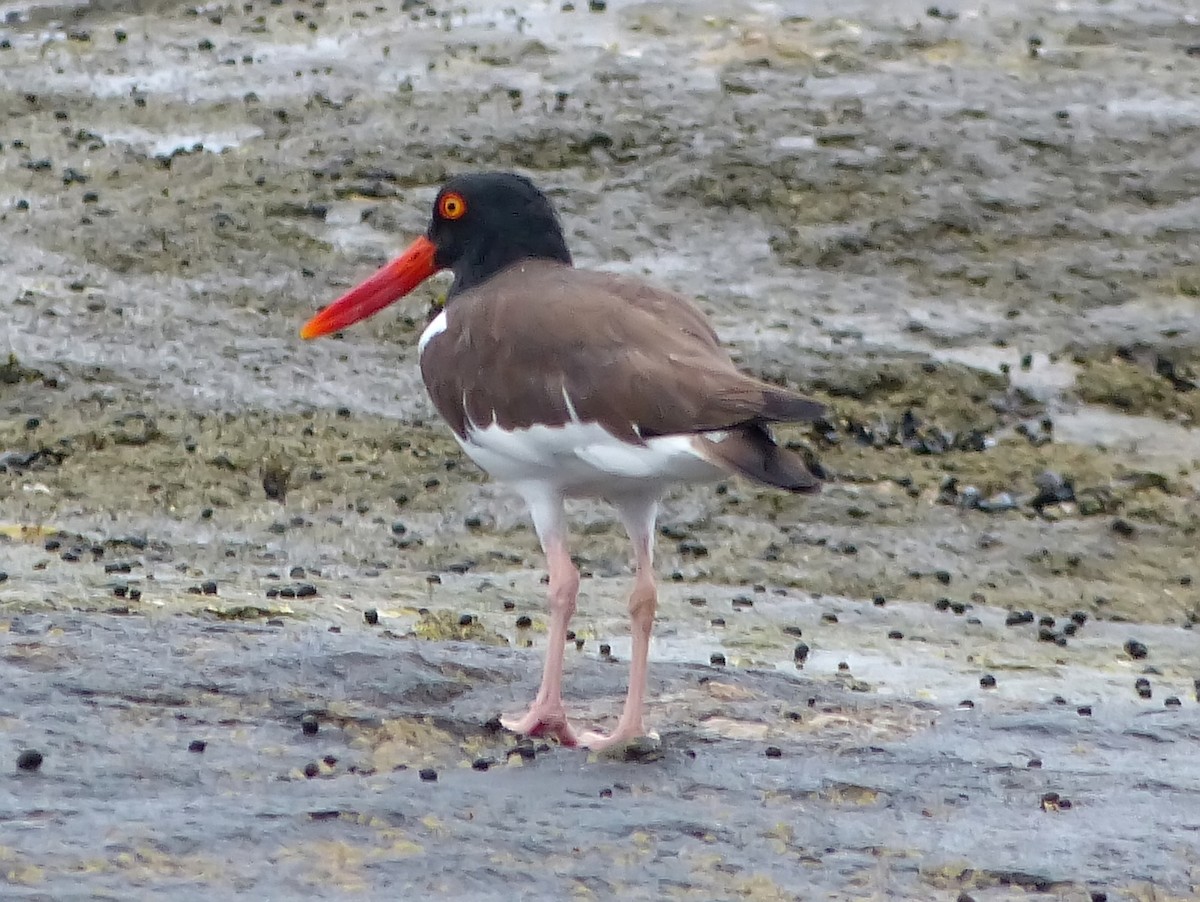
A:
(403, 742)
(249, 612)
(1131, 388)
(12, 372)
(949, 396)
(442, 626)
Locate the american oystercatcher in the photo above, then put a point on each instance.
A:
(568, 383)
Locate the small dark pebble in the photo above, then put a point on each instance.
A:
(523, 750)
(717, 659)
(605, 650)
(800, 653)
(1046, 621)
(493, 724)
(428, 775)
(1142, 685)
(1052, 801)
(510, 605)
(828, 617)
(481, 763)
(1096, 894)
(1084, 710)
(717, 621)
(987, 681)
(1058, 700)
(1045, 634)
(209, 587)
(774, 751)
(1034, 763)
(3, 576)
(1123, 528)
(1172, 701)
(966, 703)
(118, 567)
(1080, 617)
(880, 601)
(895, 634)
(793, 631)
(524, 622)
(371, 616)
(1136, 649)
(120, 590)
(309, 724)
(197, 746)
(1070, 629)
(606, 793)
(942, 604)
(52, 545)
(466, 619)
(30, 759)
(958, 607)
(943, 577)
(843, 666)
(1016, 618)
(312, 769)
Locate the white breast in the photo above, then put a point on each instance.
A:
(436, 327)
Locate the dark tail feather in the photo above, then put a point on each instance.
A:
(752, 452)
(783, 406)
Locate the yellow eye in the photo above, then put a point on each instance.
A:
(452, 206)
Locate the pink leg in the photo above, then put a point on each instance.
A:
(547, 716)
(639, 516)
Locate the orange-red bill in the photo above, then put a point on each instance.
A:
(390, 284)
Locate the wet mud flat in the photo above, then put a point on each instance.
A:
(767, 785)
(971, 230)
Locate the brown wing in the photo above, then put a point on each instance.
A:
(542, 342)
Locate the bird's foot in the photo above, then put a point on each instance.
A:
(543, 720)
(628, 743)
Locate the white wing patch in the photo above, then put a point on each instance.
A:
(570, 407)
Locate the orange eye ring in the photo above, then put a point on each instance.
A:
(452, 206)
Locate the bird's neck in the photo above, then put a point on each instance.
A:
(485, 259)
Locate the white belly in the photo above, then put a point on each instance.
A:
(584, 459)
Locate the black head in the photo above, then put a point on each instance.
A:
(484, 222)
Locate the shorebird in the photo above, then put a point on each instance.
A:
(565, 382)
